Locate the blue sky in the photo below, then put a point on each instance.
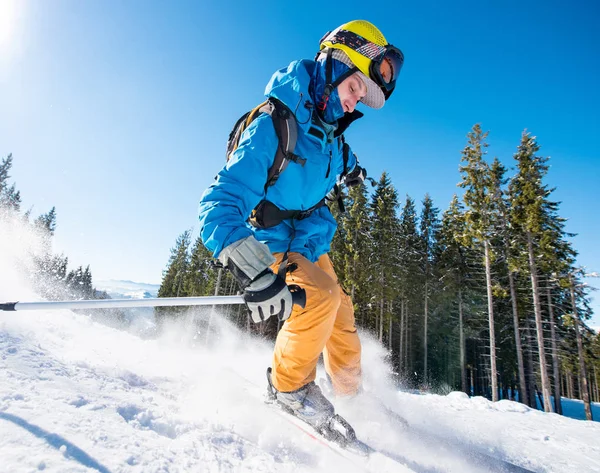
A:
(118, 112)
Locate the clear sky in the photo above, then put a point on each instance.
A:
(117, 113)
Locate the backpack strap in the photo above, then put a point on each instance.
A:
(336, 194)
(267, 214)
(345, 155)
(286, 129)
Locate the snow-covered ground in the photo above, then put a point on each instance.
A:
(79, 396)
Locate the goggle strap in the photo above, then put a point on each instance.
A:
(328, 70)
(344, 76)
(329, 86)
(361, 45)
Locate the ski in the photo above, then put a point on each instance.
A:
(351, 450)
(356, 452)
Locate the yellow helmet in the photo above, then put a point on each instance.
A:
(369, 52)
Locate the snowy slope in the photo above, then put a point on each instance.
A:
(79, 396)
(75, 395)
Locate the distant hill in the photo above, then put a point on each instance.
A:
(118, 289)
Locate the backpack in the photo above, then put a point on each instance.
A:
(266, 214)
(286, 129)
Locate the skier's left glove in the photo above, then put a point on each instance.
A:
(266, 294)
(356, 177)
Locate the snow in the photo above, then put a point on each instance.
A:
(79, 396)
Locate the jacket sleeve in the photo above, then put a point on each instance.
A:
(226, 205)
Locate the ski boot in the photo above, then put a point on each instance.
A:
(310, 405)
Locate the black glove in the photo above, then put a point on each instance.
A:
(268, 295)
(356, 177)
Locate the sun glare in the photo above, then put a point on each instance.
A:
(7, 20)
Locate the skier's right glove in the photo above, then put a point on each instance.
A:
(266, 294)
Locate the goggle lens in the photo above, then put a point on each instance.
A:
(390, 66)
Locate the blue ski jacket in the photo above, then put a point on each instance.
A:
(239, 187)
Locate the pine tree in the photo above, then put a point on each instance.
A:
(384, 204)
(200, 278)
(407, 269)
(529, 198)
(44, 226)
(10, 198)
(558, 256)
(356, 250)
(480, 218)
(47, 221)
(86, 283)
(172, 284)
(454, 269)
(429, 227)
(574, 284)
(506, 236)
(74, 282)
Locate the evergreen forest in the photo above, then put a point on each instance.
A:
(485, 297)
(47, 272)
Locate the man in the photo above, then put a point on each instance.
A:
(284, 246)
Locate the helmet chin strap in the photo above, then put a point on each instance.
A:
(329, 86)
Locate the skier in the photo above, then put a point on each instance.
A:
(275, 236)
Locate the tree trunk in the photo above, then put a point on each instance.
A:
(555, 361)
(521, 366)
(596, 382)
(488, 279)
(530, 368)
(406, 336)
(463, 367)
(571, 387)
(409, 351)
(539, 326)
(425, 372)
(218, 284)
(381, 320)
(401, 340)
(585, 393)
(391, 307)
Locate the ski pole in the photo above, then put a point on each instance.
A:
(298, 297)
(121, 303)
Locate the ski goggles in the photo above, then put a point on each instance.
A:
(385, 61)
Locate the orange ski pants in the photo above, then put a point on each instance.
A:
(325, 325)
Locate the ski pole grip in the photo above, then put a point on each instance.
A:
(298, 295)
(8, 306)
